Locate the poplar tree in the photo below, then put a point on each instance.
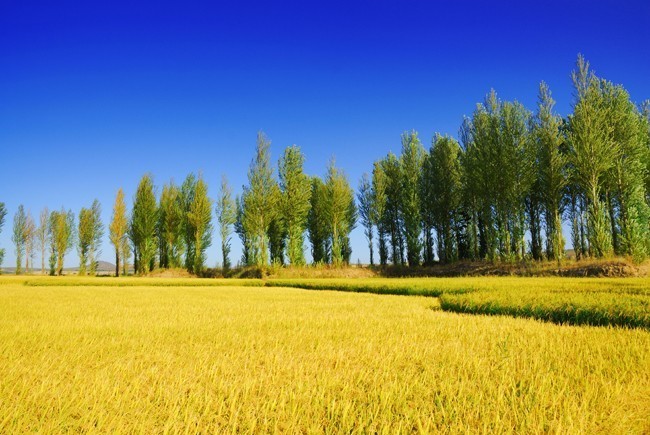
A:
(340, 212)
(318, 229)
(118, 231)
(593, 154)
(19, 236)
(239, 229)
(200, 218)
(393, 221)
(295, 203)
(188, 190)
(90, 233)
(226, 210)
(61, 238)
(379, 209)
(411, 170)
(3, 214)
(143, 226)
(444, 165)
(170, 226)
(629, 210)
(30, 238)
(552, 170)
(41, 235)
(259, 203)
(366, 213)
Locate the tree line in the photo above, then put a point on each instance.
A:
(500, 193)
(504, 191)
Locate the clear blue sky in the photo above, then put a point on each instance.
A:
(95, 94)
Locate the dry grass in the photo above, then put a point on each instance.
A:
(242, 359)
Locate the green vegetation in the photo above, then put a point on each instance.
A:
(244, 359)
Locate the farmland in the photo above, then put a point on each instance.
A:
(151, 355)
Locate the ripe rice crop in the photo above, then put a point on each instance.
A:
(249, 359)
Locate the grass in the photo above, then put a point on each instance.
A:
(246, 359)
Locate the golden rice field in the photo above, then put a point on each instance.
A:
(156, 357)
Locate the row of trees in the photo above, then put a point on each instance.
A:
(505, 190)
(502, 193)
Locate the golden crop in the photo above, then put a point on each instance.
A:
(251, 359)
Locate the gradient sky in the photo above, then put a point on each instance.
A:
(95, 94)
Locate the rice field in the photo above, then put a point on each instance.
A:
(215, 358)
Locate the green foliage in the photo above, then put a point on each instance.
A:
(593, 154)
(445, 195)
(118, 229)
(89, 237)
(340, 212)
(259, 204)
(144, 220)
(19, 236)
(170, 226)
(379, 202)
(188, 190)
(553, 180)
(410, 173)
(392, 220)
(366, 212)
(226, 210)
(200, 218)
(3, 214)
(318, 229)
(61, 238)
(295, 202)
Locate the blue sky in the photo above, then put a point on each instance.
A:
(95, 94)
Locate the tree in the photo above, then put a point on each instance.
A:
(3, 214)
(143, 226)
(89, 237)
(444, 164)
(41, 235)
(61, 238)
(226, 210)
(239, 229)
(295, 202)
(259, 203)
(30, 239)
(552, 170)
(20, 236)
(393, 219)
(188, 190)
(170, 226)
(379, 209)
(411, 171)
(318, 229)
(200, 218)
(340, 212)
(593, 153)
(118, 230)
(366, 212)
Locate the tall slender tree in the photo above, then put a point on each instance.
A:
(19, 236)
(411, 171)
(340, 212)
(188, 191)
(170, 226)
(366, 213)
(379, 200)
(3, 214)
(593, 153)
(446, 194)
(118, 230)
(259, 203)
(89, 237)
(295, 203)
(226, 210)
(62, 237)
(318, 229)
(552, 170)
(30, 239)
(143, 226)
(41, 235)
(200, 217)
